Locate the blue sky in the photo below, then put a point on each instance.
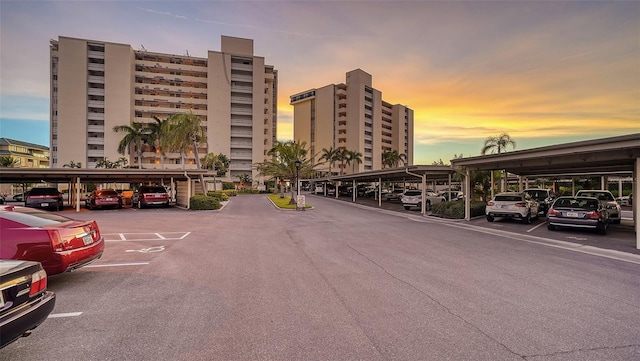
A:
(543, 71)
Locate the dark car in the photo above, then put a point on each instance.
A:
(44, 197)
(544, 197)
(151, 196)
(578, 212)
(24, 300)
(103, 198)
(61, 244)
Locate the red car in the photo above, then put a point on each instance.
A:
(61, 244)
(151, 196)
(103, 198)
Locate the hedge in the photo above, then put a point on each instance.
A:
(201, 202)
(219, 195)
(455, 209)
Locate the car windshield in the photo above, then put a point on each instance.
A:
(107, 193)
(33, 218)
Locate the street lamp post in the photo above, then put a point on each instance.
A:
(297, 163)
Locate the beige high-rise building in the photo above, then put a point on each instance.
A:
(352, 116)
(96, 85)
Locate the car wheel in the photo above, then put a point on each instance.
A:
(602, 229)
(527, 219)
(550, 227)
(428, 205)
(490, 218)
(617, 221)
(407, 207)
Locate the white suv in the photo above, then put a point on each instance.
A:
(413, 198)
(512, 205)
(608, 200)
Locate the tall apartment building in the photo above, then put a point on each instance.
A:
(96, 85)
(352, 116)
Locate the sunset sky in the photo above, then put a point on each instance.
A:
(545, 72)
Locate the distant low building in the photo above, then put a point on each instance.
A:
(28, 155)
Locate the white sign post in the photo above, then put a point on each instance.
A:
(300, 203)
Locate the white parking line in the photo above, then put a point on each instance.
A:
(68, 314)
(133, 237)
(117, 264)
(539, 225)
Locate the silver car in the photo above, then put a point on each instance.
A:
(608, 200)
(578, 212)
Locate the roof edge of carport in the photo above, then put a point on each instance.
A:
(600, 144)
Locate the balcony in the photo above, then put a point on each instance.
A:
(242, 100)
(95, 91)
(240, 144)
(95, 116)
(95, 141)
(238, 77)
(235, 110)
(95, 153)
(241, 156)
(95, 128)
(95, 79)
(95, 54)
(241, 88)
(241, 134)
(240, 66)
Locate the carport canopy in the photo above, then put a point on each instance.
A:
(613, 156)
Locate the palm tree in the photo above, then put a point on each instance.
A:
(403, 158)
(392, 158)
(72, 164)
(9, 162)
(157, 132)
(330, 155)
(135, 134)
(186, 130)
(353, 158)
(498, 144)
(283, 163)
(217, 162)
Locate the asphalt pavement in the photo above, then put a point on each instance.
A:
(337, 282)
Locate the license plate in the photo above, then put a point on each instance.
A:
(109, 199)
(86, 239)
(44, 204)
(572, 214)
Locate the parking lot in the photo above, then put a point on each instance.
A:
(619, 237)
(335, 282)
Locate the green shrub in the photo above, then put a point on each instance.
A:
(219, 195)
(201, 202)
(228, 185)
(230, 192)
(455, 209)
